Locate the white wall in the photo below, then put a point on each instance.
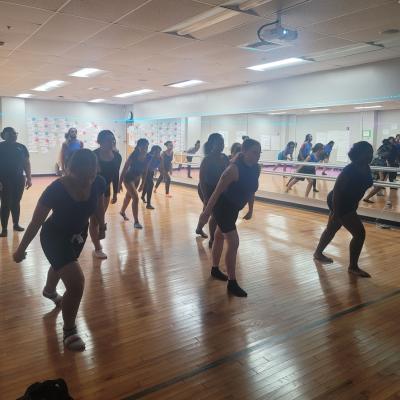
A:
(388, 124)
(367, 82)
(16, 111)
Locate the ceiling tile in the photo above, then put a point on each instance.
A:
(159, 15)
(103, 10)
(370, 34)
(51, 5)
(82, 53)
(21, 19)
(364, 58)
(11, 39)
(46, 46)
(372, 17)
(117, 37)
(73, 29)
(324, 10)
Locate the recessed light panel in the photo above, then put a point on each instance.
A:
(51, 85)
(135, 93)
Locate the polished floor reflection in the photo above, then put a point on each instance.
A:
(157, 327)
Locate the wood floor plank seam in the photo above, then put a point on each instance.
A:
(258, 345)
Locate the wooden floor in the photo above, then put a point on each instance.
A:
(157, 327)
(276, 184)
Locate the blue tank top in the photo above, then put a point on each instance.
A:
(71, 148)
(239, 192)
(313, 158)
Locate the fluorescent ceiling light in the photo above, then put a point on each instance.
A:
(87, 72)
(319, 109)
(183, 84)
(25, 95)
(287, 62)
(51, 85)
(277, 113)
(136, 93)
(367, 107)
(96, 101)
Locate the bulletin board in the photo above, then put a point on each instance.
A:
(48, 133)
(157, 132)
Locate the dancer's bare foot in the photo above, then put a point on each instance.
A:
(359, 272)
(323, 258)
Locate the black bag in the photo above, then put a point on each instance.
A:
(47, 390)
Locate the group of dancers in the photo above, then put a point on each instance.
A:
(79, 199)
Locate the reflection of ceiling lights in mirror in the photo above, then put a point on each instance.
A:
(51, 85)
(97, 101)
(367, 107)
(135, 93)
(24, 95)
(287, 62)
(319, 109)
(87, 72)
(277, 113)
(183, 84)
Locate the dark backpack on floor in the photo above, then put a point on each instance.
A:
(47, 390)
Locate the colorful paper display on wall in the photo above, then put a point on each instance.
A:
(46, 133)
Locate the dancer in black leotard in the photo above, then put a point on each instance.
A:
(350, 187)
(109, 163)
(73, 199)
(166, 167)
(153, 160)
(14, 161)
(134, 170)
(211, 168)
(235, 189)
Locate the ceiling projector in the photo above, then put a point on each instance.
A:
(276, 33)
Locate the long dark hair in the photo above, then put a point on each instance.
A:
(154, 149)
(82, 159)
(140, 143)
(104, 134)
(212, 140)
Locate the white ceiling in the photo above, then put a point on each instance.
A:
(48, 39)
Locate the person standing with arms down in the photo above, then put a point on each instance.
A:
(14, 161)
(211, 168)
(69, 147)
(153, 160)
(189, 157)
(166, 167)
(109, 163)
(234, 190)
(133, 171)
(350, 187)
(73, 199)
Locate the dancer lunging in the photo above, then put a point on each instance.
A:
(73, 199)
(166, 167)
(343, 200)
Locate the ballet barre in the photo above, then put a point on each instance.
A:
(391, 185)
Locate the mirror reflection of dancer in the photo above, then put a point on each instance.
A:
(327, 154)
(109, 163)
(236, 148)
(133, 171)
(211, 168)
(286, 155)
(189, 158)
(314, 157)
(350, 187)
(73, 199)
(166, 167)
(235, 189)
(69, 147)
(153, 160)
(14, 162)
